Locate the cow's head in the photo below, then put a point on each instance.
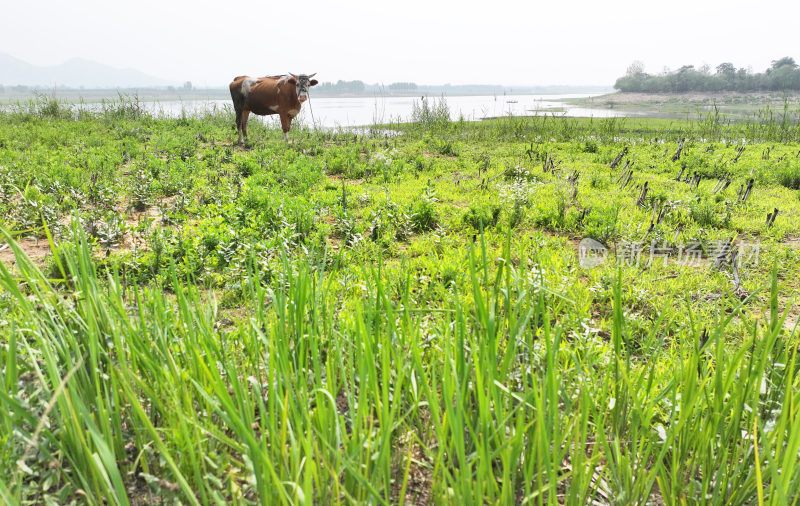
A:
(301, 83)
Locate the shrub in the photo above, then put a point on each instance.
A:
(601, 224)
(246, 166)
(300, 217)
(423, 212)
(552, 212)
(141, 191)
(597, 181)
(482, 216)
(340, 160)
(433, 113)
(346, 228)
(590, 146)
(518, 173)
(788, 175)
(707, 213)
(443, 147)
(516, 216)
(390, 219)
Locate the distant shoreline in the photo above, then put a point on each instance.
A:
(727, 102)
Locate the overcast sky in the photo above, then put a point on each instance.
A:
(430, 42)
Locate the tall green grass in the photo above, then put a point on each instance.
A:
(126, 391)
(762, 126)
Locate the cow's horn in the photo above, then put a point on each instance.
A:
(292, 75)
(312, 75)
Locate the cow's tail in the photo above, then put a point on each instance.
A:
(237, 96)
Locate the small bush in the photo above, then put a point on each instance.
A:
(141, 191)
(707, 213)
(423, 212)
(516, 216)
(340, 160)
(601, 224)
(789, 175)
(247, 166)
(518, 173)
(300, 217)
(443, 147)
(298, 176)
(346, 228)
(552, 212)
(47, 107)
(597, 181)
(482, 216)
(431, 113)
(590, 147)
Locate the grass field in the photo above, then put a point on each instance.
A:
(409, 319)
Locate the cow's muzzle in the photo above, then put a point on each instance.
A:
(302, 98)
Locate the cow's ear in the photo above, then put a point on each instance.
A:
(292, 80)
(313, 82)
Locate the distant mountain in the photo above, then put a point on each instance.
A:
(74, 73)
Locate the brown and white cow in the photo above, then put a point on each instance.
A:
(281, 95)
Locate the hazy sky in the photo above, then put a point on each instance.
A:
(432, 42)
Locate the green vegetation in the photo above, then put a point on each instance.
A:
(355, 319)
(783, 75)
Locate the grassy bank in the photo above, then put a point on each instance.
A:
(350, 318)
(753, 106)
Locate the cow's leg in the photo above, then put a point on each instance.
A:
(238, 106)
(239, 124)
(286, 124)
(245, 116)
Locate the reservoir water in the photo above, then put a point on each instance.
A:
(332, 112)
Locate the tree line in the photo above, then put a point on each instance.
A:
(782, 75)
(360, 87)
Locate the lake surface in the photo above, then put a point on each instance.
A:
(332, 112)
(348, 112)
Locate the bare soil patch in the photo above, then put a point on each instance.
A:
(37, 250)
(792, 242)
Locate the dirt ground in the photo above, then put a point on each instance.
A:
(36, 249)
